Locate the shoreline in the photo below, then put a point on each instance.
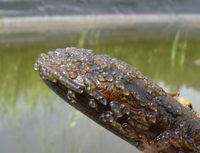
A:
(20, 24)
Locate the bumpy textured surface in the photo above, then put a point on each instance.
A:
(121, 99)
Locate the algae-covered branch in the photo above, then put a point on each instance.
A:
(118, 97)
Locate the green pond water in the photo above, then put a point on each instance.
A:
(35, 120)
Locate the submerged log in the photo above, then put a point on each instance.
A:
(121, 99)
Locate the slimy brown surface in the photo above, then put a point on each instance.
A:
(121, 99)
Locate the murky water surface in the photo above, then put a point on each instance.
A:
(13, 8)
(34, 119)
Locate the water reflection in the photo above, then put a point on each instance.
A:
(34, 119)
